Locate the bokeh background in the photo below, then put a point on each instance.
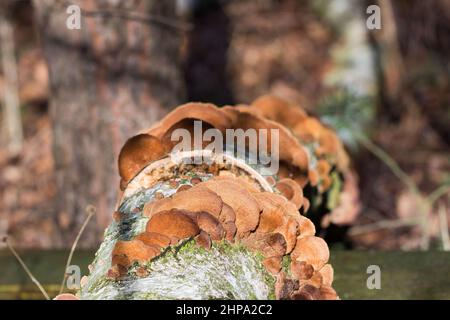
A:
(70, 99)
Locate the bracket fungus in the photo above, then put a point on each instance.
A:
(330, 176)
(220, 228)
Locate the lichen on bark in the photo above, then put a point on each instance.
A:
(187, 271)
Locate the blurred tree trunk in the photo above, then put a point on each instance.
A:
(12, 123)
(411, 48)
(116, 75)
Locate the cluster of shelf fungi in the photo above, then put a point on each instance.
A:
(169, 206)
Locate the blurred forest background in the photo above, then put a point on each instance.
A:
(70, 99)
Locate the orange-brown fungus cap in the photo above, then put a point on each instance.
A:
(205, 112)
(154, 238)
(279, 110)
(195, 199)
(244, 205)
(174, 223)
(312, 250)
(291, 190)
(137, 152)
(126, 252)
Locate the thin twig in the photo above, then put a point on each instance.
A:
(383, 224)
(24, 266)
(423, 204)
(91, 211)
(389, 161)
(438, 192)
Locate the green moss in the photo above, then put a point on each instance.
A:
(335, 191)
(187, 271)
(100, 283)
(285, 264)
